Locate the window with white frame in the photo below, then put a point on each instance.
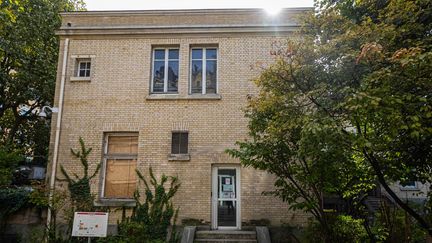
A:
(120, 160)
(165, 70)
(203, 71)
(83, 67)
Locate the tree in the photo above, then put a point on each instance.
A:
(28, 63)
(302, 146)
(353, 89)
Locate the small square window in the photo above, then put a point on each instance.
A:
(84, 68)
(179, 143)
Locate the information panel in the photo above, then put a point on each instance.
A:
(90, 224)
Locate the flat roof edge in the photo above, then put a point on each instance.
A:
(178, 11)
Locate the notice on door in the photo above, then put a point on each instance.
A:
(227, 187)
(90, 224)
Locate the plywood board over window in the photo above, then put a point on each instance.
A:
(120, 158)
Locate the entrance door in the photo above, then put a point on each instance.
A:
(226, 198)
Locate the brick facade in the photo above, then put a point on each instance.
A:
(118, 99)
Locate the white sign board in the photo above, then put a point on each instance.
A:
(90, 224)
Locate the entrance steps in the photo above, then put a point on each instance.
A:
(225, 236)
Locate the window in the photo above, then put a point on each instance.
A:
(84, 67)
(179, 143)
(120, 158)
(203, 71)
(409, 185)
(165, 70)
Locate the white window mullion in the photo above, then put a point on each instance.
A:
(166, 71)
(204, 71)
(152, 70)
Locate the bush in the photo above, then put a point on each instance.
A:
(12, 200)
(341, 228)
(8, 163)
(150, 220)
(392, 224)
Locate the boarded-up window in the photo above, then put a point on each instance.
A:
(179, 143)
(121, 159)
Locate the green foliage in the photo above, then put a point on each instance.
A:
(79, 187)
(299, 143)
(151, 220)
(28, 63)
(343, 229)
(346, 103)
(39, 197)
(12, 200)
(394, 225)
(8, 163)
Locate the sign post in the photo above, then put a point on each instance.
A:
(90, 224)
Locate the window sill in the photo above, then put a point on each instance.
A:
(80, 79)
(178, 157)
(115, 202)
(402, 188)
(188, 97)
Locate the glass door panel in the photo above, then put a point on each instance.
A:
(227, 198)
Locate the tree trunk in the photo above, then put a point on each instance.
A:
(375, 165)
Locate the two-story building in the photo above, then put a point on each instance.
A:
(165, 89)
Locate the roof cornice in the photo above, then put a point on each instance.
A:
(184, 22)
(116, 13)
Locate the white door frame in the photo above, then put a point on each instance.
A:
(214, 201)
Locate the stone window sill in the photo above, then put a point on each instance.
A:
(179, 157)
(187, 97)
(80, 79)
(115, 202)
(402, 188)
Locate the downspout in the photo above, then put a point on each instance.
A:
(57, 134)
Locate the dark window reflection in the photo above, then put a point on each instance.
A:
(172, 76)
(158, 78)
(196, 77)
(211, 54)
(211, 73)
(159, 69)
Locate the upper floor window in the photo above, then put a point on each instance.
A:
(165, 70)
(84, 68)
(120, 161)
(203, 70)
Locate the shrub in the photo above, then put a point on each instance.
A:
(342, 228)
(12, 200)
(150, 220)
(79, 188)
(8, 163)
(392, 224)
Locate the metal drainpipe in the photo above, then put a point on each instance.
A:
(58, 126)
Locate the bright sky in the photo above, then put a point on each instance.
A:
(193, 4)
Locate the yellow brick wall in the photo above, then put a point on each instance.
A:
(116, 100)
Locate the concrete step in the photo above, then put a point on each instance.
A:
(225, 235)
(225, 241)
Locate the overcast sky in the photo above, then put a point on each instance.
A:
(192, 4)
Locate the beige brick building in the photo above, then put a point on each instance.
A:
(166, 89)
